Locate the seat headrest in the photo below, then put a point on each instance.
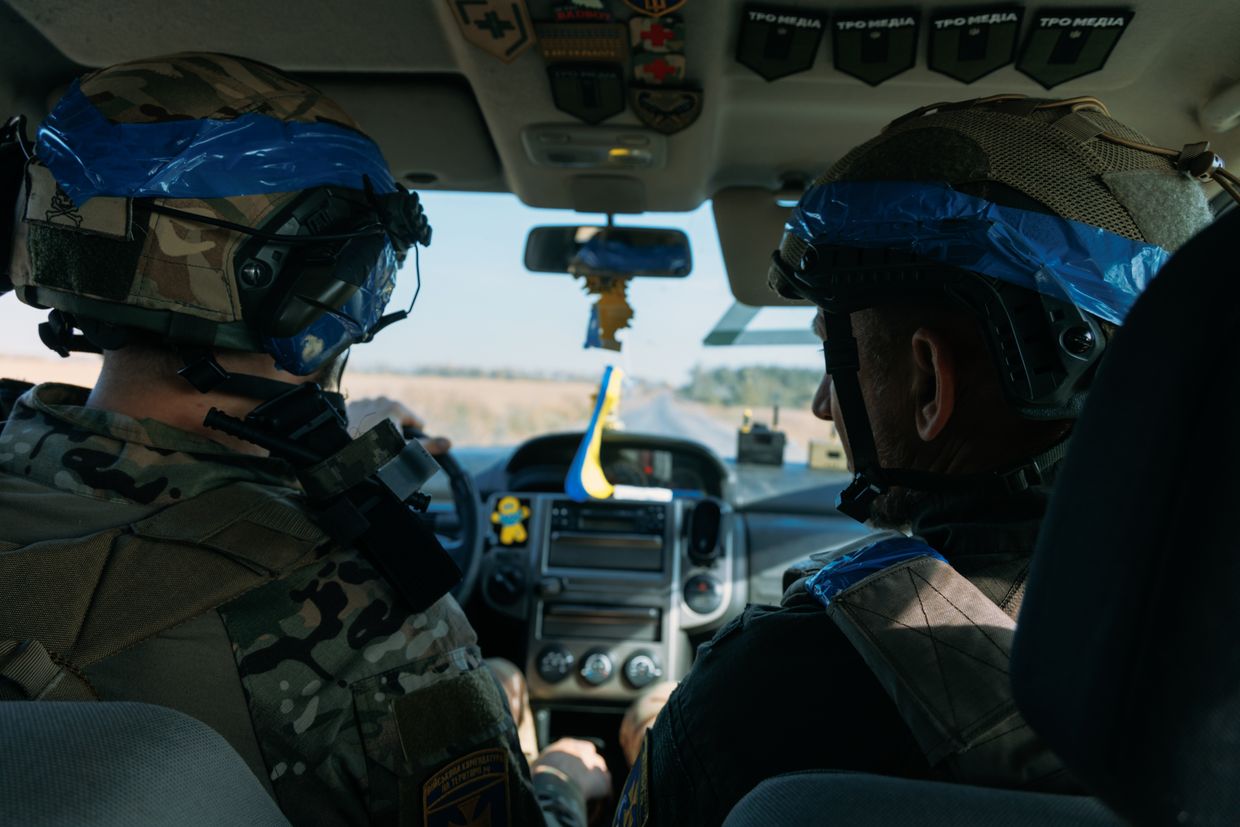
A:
(1126, 658)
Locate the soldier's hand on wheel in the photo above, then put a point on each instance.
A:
(365, 414)
(578, 761)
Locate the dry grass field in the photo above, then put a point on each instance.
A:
(471, 411)
(479, 411)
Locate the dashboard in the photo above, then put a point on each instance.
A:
(637, 460)
(611, 596)
(610, 590)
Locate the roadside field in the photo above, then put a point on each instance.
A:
(480, 411)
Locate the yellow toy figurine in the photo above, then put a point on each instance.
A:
(510, 515)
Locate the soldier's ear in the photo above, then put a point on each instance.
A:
(934, 373)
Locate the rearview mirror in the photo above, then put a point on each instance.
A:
(617, 252)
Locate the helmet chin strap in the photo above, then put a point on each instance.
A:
(843, 363)
(871, 480)
(207, 375)
(202, 369)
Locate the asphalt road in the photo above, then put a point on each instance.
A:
(666, 415)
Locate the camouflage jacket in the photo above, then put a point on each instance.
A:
(317, 659)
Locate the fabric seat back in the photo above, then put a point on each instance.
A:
(122, 765)
(1126, 657)
(835, 798)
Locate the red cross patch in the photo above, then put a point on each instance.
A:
(658, 70)
(663, 35)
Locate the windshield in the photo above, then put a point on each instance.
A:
(493, 354)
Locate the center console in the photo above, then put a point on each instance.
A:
(611, 590)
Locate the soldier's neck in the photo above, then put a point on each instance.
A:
(167, 398)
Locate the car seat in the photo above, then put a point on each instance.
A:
(122, 765)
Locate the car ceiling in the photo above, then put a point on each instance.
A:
(450, 116)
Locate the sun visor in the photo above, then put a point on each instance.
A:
(408, 117)
(750, 223)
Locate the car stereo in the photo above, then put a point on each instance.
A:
(619, 536)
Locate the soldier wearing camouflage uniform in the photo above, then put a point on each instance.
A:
(194, 576)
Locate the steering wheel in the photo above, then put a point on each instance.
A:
(466, 550)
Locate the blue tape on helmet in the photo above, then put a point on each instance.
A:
(205, 158)
(848, 570)
(1098, 271)
(308, 350)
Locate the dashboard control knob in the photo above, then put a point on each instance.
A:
(641, 670)
(555, 663)
(596, 668)
(703, 593)
(506, 585)
(550, 586)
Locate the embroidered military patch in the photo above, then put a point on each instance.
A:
(655, 8)
(634, 807)
(472, 790)
(776, 41)
(501, 27)
(875, 46)
(581, 11)
(592, 92)
(657, 34)
(658, 69)
(46, 203)
(666, 110)
(969, 45)
(582, 41)
(1064, 44)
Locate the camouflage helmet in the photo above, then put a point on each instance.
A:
(168, 264)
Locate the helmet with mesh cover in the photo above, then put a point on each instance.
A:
(1044, 154)
(208, 201)
(1042, 219)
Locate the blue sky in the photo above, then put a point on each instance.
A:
(479, 307)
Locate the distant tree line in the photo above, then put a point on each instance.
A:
(509, 374)
(472, 372)
(752, 386)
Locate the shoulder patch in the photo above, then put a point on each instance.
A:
(471, 790)
(634, 807)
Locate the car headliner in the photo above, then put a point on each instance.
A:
(450, 116)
